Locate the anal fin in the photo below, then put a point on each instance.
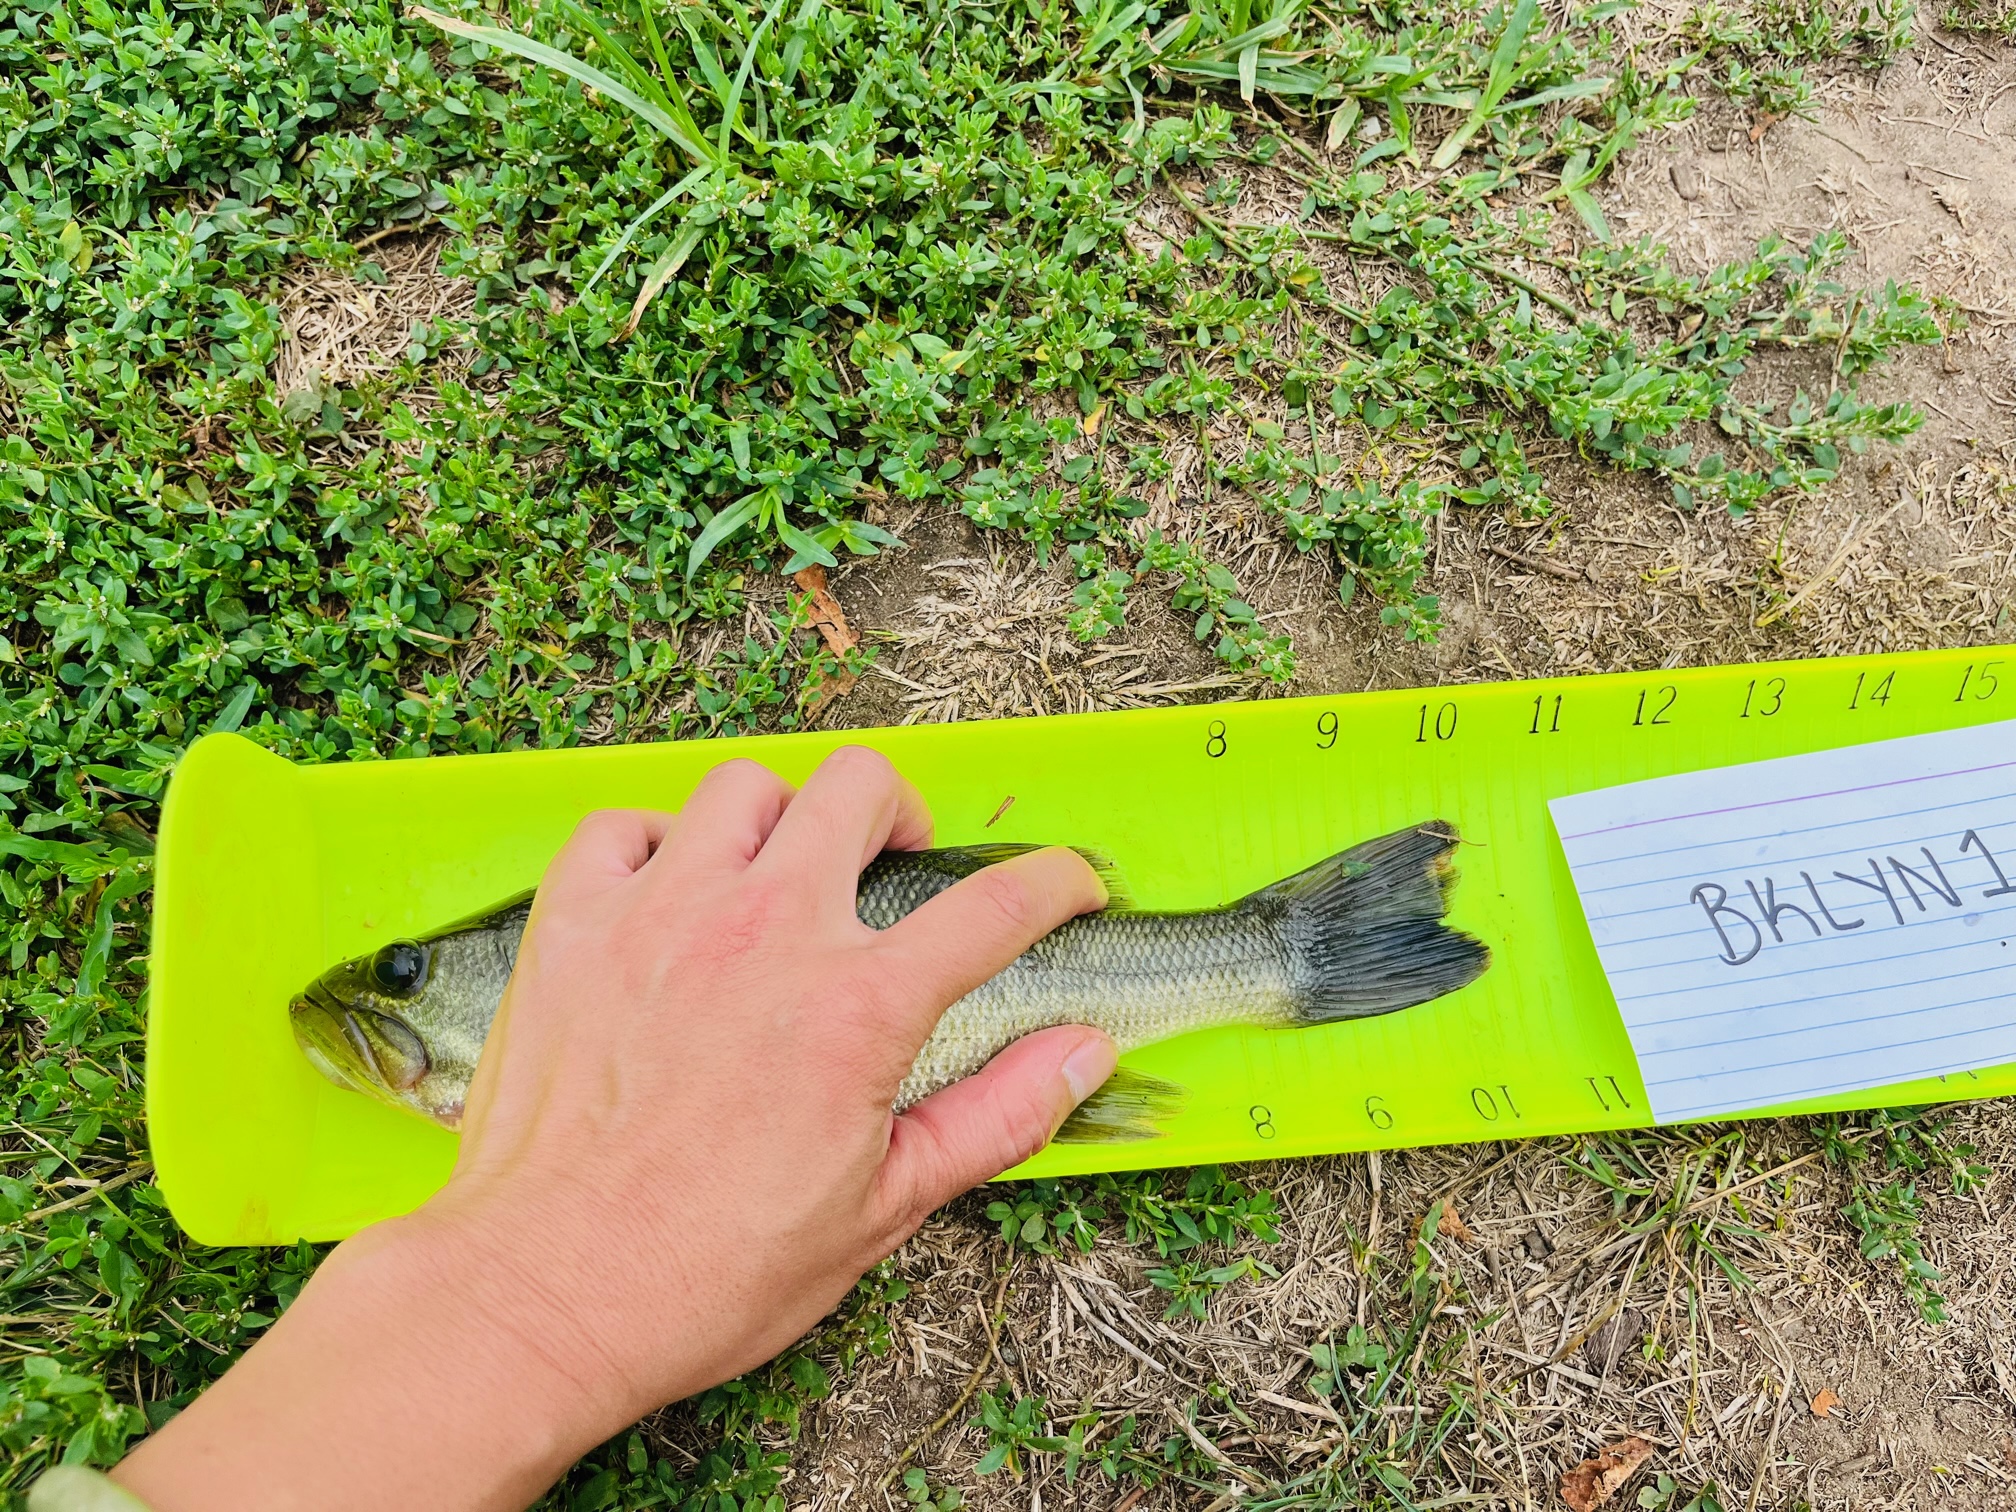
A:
(1129, 1105)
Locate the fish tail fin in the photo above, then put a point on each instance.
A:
(1364, 928)
(1129, 1105)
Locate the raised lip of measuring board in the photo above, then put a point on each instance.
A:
(234, 1200)
(254, 793)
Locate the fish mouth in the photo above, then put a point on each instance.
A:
(322, 1030)
(357, 1048)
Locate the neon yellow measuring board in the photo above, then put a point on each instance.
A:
(271, 872)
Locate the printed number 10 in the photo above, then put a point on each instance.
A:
(1445, 724)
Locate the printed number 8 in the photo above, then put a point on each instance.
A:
(1263, 1120)
(1214, 739)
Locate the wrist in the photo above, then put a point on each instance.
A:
(533, 1322)
(405, 1375)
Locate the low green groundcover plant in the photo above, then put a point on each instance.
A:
(742, 275)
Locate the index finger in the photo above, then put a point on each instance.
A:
(945, 948)
(607, 846)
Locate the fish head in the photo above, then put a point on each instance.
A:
(382, 1024)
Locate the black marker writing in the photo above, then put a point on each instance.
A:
(1881, 884)
(1774, 919)
(1973, 839)
(1942, 887)
(1826, 912)
(1772, 910)
(1719, 909)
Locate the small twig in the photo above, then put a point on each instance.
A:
(1373, 1174)
(81, 1198)
(1538, 564)
(1841, 346)
(1213, 1453)
(397, 229)
(1107, 1331)
(987, 1357)
(1569, 1346)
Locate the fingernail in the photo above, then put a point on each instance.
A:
(1087, 1067)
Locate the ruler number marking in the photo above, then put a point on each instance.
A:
(1443, 727)
(1263, 1120)
(1326, 731)
(1376, 1114)
(1486, 1103)
(1597, 1084)
(1214, 739)
(1553, 725)
(1986, 683)
(1878, 693)
(1667, 697)
(1772, 701)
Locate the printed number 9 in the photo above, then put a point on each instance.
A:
(1263, 1120)
(1326, 731)
(1214, 739)
(1376, 1114)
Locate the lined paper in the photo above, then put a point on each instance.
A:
(1813, 924)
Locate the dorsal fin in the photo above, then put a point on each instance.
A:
(953, 862)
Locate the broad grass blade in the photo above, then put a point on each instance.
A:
(574, 68)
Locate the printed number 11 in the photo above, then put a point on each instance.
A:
(1596, 1085)
(1554, 725)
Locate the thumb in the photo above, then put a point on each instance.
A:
(992, 1121)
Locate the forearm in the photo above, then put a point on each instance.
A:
(399, 1379)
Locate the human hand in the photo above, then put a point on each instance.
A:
(677, 1155)
(723, 1134)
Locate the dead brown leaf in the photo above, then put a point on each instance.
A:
(1825, 1403)
(827, 617)
(831, 623)
(1766, 119)
(1451, 1225)
(1593, 1482)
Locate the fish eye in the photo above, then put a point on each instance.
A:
(400, 968)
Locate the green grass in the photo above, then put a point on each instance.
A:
(774, 267)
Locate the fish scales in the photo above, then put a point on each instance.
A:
(1140, 977)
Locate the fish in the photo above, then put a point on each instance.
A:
(1358, 934)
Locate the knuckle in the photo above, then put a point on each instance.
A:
(860, 763)
(1030, 1139)
(738, 774)
(1028, 1120)
(1004, 897)
(600, 822)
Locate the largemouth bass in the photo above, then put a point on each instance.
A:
(1358, 934)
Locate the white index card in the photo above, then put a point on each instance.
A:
(1812, 924)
